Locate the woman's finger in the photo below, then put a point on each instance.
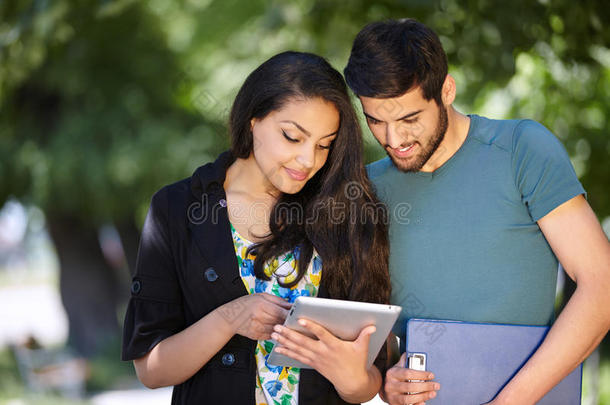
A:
(319, 331)
(295, 341)
(273, 314)
(265, 332)
(365, 336)
(294, 355)
(276, 300)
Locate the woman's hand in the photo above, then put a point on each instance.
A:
(343, 363)
(254, 315)
(178, 357)
(398, 385)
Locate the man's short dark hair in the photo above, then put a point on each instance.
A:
(391, 57)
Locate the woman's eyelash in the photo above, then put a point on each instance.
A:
(288, 138)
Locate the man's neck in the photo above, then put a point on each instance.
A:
(457, 131)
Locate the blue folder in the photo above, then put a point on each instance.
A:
(474, 361)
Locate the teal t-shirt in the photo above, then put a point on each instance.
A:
(464, 242)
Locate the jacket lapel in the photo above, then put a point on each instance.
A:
(208, 222)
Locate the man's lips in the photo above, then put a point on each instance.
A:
(405, 151)
(296, 175)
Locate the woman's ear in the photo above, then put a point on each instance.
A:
(252, 122)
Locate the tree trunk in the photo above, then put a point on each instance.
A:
(90, 290)
(130, 239)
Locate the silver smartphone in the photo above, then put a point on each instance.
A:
(416, 361)
(344, 319)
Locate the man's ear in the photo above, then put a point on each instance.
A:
(448, 90)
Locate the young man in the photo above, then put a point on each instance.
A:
(492, 206)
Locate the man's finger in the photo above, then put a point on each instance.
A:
(417, 398)
(415, 387)
(404, 374)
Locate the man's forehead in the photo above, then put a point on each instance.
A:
(394, 107)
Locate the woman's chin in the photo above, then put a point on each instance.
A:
(291, 186)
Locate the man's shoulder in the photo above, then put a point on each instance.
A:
(503, 133)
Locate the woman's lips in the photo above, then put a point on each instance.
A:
(296, 175)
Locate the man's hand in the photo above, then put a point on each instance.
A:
(399, 388)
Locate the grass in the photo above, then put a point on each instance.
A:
(106, 372)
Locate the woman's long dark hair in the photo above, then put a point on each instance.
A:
(336, 212)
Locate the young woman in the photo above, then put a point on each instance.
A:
(288, 211)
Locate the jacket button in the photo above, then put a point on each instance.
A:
(228, 359)
(136, 287)
(210, 275)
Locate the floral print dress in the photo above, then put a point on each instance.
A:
(276, 385)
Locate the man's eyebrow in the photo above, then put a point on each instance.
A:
(306, 132)
(404, 117)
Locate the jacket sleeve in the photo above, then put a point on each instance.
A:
(155, 309)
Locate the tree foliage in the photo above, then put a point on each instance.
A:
(102, 102)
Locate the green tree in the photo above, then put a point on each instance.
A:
(103, 102)
(94, 119)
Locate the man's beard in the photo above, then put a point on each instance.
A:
(417, 162)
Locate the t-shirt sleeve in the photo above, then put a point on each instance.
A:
(542, 169)
(155, 308)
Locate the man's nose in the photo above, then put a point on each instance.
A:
(394, 138)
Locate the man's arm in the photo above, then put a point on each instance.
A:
(577, 239)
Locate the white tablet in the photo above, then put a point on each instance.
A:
(344, 319)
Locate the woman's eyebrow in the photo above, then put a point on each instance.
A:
(306, 132)
(334, 133)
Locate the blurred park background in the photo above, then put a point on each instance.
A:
(103, 102)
